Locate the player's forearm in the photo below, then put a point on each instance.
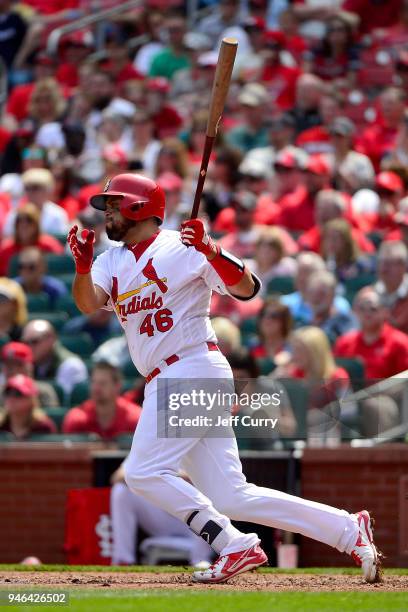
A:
(84, 293)
(246, 286)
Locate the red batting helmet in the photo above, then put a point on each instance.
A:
(141, 197)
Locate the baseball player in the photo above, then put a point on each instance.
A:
(159, 283)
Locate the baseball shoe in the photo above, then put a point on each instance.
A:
(227, 566)
(365, 553)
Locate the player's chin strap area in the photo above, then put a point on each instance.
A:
(231, 270)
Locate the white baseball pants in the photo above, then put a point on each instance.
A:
(220, 490)
(130, 511)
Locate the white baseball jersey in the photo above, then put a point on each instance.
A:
(162, 298)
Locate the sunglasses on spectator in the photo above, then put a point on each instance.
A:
(32, 187)
(27, 266)
(34, 341)
(368, 307)
(25, 219)
(338, 28)
(272, 315)
(12, 393)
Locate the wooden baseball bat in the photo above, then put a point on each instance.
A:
(222, 78)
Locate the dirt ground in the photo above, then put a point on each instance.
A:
(252, 581)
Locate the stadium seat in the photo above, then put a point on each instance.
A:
(266, 365)
(354, 368)
(67, 278)
(129, 370)
(60, 264)
(79, 393)
(298, 394)
(37, 302)
(57, 415)
(281, 285)
(66, 303)
(6, 436)
(13, 267)
(58, 390)
(57, 319)
(64, 438)
(124, 441)
(81, 344)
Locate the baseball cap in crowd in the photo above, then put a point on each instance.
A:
(39, 177)
(343, 126)
(244, 199)
(79, 38)
(316, 164)
(255, 167)
(274, 38)
(389, 181)
(17, 351)
(254, 23)
(197, 41)
(23, 384)
(160, 84)
(169, 181)
(253, 94)
(291, 158)
(208, 59)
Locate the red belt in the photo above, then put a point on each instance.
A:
(212, 346)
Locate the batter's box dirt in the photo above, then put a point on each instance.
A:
(253, 581)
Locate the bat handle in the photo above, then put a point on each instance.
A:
(209, 141)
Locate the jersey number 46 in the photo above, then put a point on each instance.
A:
(162, 322)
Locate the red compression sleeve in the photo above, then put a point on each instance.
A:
(229, 268)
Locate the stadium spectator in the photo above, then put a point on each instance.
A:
(336, 56)
(341, 252)
(192, 86)
(281, 135)
(379, 139)
(13, 29)
(172, 157)
(330, 205)
(389, 188)
(382, 348)
(105, 413)
(249, 62)
(26, 234)
(296, 301)
(392, 285)
(309, 90)
(47, 104)
(130, 512)
(51, 359)
(320, 296)
(100, 325)
(352, 170)
(39, 186)
(317, 138)
(166, 119)
(146, 53)
(228, 335)
(13, 309)
(145, 147)
(32, 268)
(274, 325)
(271, 260)
(374, 13)
(252, 130)
(17, 358)
(224, 175)
(21, 415)
(299, 214)
(226, 15)
(176, 210)
(278, 78)
(174, 57)
(242, 241)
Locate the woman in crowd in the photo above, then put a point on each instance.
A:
(47, 104)
(172, 157)
(341, 252)
(271, 260)
(13, 310)
(145, 147)
(26, 233)
(21, 415)
(274, 325)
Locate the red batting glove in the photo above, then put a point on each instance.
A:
(193, 234)
(82, 250)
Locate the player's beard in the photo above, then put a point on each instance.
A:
(117, 230)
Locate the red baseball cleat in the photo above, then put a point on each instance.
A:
(227, 566)
(365, 553)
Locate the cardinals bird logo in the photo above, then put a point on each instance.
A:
(150, 273)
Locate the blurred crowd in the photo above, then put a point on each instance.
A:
(308, 182)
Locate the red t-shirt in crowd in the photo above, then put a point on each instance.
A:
(167, 122)
(311, 240)
(374, 13)
(297, 210)
(9, 248)
(376, 141)
(48, 7)
(20, 96)
(383, 358)
(280, 81)
(82, 419)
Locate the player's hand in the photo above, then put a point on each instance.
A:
(193, 234)
(82, 250)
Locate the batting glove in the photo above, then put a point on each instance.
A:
(193, 234)
(82, 250)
